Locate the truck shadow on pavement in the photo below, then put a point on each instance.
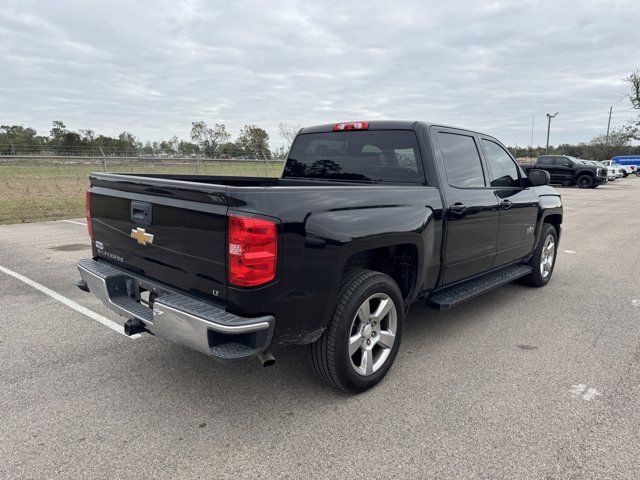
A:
(174, 369)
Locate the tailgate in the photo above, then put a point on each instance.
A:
(173, 232)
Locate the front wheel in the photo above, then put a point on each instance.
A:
(362, 339)
(585, 181)
(544, 258)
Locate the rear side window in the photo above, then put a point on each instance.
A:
(368, 155)
(546, 161)
(461, 160)
(504, 172)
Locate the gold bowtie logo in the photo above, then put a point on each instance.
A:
(141, 236)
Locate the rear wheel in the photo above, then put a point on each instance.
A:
(585, 181)
(625, 174)
(544, 258)
(363, 337)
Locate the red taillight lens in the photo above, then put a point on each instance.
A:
(88, 213)
(253, 251)
(339, 127)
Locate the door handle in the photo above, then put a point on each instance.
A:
(506, 204)
(457, 208)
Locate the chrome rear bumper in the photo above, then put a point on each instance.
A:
(176, 317)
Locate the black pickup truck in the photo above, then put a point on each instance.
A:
(366, 219)
(569, 170)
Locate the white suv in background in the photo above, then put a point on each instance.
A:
(625, 170)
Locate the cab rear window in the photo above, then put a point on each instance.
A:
(366, 156)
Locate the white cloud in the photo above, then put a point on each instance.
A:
(154, 67)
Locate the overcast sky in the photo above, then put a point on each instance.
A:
(154, 67)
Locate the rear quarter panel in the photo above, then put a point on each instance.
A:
(322, 227)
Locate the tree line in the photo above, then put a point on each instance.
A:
(251, 142)
(206, 141)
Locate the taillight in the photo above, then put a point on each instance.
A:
(253, 251)
(88, 213)
(339, 127)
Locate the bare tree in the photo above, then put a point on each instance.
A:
(288, 132)
(634, 88)
(633, 81)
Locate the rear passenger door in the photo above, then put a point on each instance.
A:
(471, 208)
(518, 205)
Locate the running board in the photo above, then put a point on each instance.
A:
(450, 297)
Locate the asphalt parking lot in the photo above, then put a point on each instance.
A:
(519, 383)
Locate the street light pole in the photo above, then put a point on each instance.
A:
(609, 124)
(549, 117)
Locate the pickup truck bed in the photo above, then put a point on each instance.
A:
(230, 266)
(189, 221)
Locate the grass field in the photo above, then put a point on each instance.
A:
(55, 190)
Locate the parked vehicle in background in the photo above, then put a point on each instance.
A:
(568, 170)
(625, 169)
(367, 218)
(610, 173)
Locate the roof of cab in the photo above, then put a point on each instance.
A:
(385, 125)
(373, 125)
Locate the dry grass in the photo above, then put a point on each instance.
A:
(32, 191)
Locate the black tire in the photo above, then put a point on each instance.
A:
(536, 278)
(585, 181)
(330, 353)
(625, 174)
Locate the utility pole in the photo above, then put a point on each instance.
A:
(609, 124)
(533, 121)
(549, 117)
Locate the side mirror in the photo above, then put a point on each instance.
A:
(538, 177)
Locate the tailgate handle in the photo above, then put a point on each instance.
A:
(141, 213)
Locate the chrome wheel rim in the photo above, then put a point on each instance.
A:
(548, 255)
(372, 334)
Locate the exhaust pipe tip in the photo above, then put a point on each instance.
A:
(82, 285)
(266, 359)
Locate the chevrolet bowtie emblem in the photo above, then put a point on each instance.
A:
(141, 236)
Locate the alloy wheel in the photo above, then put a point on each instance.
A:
(547, 257)
(372, 334)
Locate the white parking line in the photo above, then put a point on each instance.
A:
(581, 390)
(569, 251)
(72, 221)
(69, 303)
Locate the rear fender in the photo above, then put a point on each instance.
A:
(352, 231)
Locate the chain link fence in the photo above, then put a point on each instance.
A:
(38, 188)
